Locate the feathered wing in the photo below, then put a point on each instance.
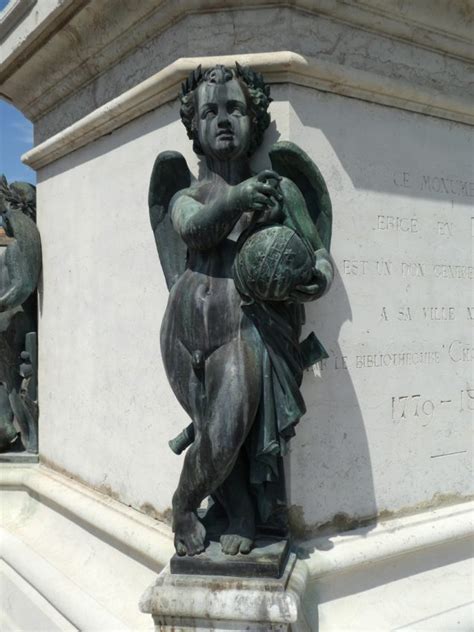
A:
(170, 174)
(308, 211)
(314, 221)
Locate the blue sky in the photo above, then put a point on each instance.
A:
(16, 137)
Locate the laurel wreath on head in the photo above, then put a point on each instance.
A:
(19, 196)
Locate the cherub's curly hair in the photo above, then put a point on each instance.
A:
(258, 99)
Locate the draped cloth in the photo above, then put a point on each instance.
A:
(281, 403)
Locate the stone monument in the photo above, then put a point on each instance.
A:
(20, 266)
(378, 476)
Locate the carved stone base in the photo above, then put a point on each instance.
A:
(208, 602)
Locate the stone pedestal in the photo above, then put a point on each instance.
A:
(203, 602)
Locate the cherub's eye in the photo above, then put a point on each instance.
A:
(237, 109)
(208, 112)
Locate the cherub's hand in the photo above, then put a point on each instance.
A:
(260, 193)
(305, 293)
(320, 281)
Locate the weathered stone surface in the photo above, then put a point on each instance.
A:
(201, 602)
(366, 462)
(116, 47)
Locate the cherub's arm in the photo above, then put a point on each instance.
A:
(203, 226)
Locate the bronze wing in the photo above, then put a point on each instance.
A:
(170, 174)
(292, 162)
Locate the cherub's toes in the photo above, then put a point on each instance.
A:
(246, 545)
(195, 547)
(230, 544)
(180, 547)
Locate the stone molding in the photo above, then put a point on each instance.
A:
(147, 540)
(389, 539)
(279, 67)
(68, 602)
(150, 542)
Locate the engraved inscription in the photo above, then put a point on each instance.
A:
(434, 183)
(454, 352)
(445, 271)
(439, 313)
(467, 399)
(419, 407)
(394, 223)
(416, 406)
(407, 269)
(438, 270)
(413, 269)
(407, 358)
(459, 351)
(405, 313)
(448, 186)
(360, 267)
(445, 229)
(353, 267)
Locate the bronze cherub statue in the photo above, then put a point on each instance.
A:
(241, 253)
(20, 267)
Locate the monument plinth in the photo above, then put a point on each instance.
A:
(203, 602)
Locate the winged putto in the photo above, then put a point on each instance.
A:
(241, 253)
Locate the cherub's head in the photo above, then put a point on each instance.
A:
(224, 111)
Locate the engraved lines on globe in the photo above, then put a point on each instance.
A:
(271, 262)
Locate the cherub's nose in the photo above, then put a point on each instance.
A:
(223, 119)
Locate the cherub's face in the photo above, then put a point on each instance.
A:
(223, 123)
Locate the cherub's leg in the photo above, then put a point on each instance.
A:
(234, 495)
(186, 386)
(232, 385)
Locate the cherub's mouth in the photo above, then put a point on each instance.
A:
(225, 135)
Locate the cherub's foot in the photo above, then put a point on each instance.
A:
(189, 533)
(239, 537)
(232, 544)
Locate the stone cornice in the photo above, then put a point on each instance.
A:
(279, 67)
(103, 32)
(12, 14)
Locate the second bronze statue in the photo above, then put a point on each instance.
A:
(241, 253)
